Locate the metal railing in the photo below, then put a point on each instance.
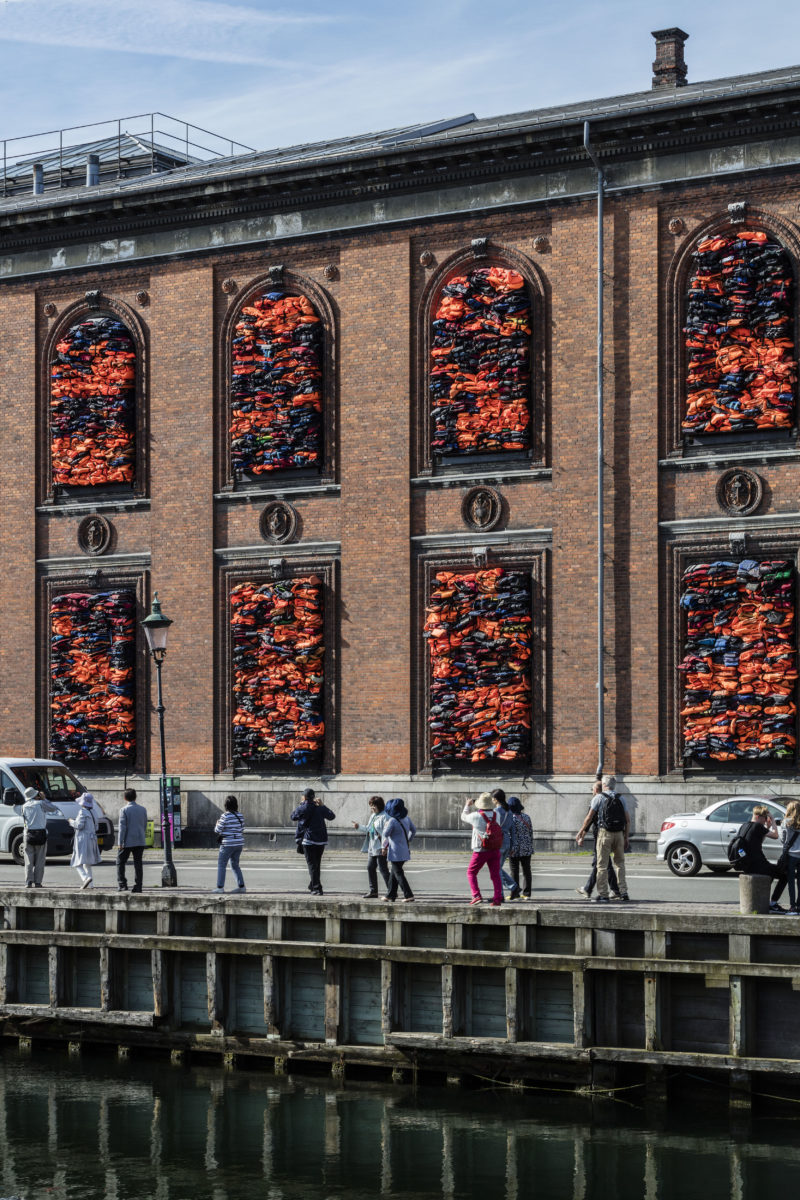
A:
(156, 134)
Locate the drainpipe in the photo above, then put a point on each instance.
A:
(601, 731)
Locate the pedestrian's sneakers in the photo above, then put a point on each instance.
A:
(623, 896)
(219, 891)
(515, 894)
(525, 896)
(583, 892)
(409, 899)
(777, 908)
(618, 896)
(240, 888)
(600, 900)
(477, 900)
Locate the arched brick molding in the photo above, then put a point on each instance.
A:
(52, 454)
(324, 468)
(676, 359)
(462, 263)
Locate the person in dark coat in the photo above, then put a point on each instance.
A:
(132, 838)
(312, 815)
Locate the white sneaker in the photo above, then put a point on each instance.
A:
(240, 888)
(87, 883)
(219, 891)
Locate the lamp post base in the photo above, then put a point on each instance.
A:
(169, 876)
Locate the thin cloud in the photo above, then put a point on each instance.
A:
(206, 31)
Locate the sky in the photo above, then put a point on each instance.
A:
(268, 73)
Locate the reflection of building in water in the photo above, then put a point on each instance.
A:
(169, 1134)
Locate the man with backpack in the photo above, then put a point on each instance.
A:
(613, 827)
(487, 845)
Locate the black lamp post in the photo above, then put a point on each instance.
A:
(155, 628)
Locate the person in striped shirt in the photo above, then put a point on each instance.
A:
(230, 834)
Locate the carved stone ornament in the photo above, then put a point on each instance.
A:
(676, 225)
(93, 298)
(331, 271)
(229, 286)
(481, 508)
(278, 522)
(540, 244)
(94, 534)
(739, 492)
(480, 247)
(426, 259)
(142, 299)
(738, 212)
(276, 273)
(50, 309)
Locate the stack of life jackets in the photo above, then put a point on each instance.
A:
(740, 336)
(92, 403)
(276, 385)
(92, 646)
(478, 628)
(740, 667)
(278, 651)
(480, 364)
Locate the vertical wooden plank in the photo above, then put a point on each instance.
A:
(447, 994)
(393, 933)
(738, 1039)
(455, 935)
(214, 998)
(275, 927)
(158, 959)
(219, 925)
(512, 1005)
(739, 948)
(387, 997)
(581, 1009)
(3, 973)
(53, 958)
(164, 922)
(333, 930)
(271, 998)
(332, 1001)
(655, 943)
(106, 988)
(59, 920)
(114, 922)
(518, 939)
(584, 942)
(652, 1015)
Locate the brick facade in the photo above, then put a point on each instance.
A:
(381, 511)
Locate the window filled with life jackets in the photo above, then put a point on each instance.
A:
(92, 404)
(92, 648)
(276, 385)
(740, 663)
(480, 383)
(739, 336)
(278, 652)
(478, 630)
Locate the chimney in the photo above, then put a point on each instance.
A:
(669, 69)
(92, 170)
(38, 179)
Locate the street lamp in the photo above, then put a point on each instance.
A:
(155, 628)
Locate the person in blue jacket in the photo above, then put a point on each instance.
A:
(397, 834)
(312, 815)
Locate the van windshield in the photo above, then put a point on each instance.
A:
(57, 783)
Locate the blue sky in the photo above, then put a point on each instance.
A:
(273, 74)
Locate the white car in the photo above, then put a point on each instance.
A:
(61, 790)
(689, 841)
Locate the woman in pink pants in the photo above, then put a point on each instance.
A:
(487, 842)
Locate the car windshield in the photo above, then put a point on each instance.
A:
(57, 783)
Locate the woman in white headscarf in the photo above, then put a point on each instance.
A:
(85, 853)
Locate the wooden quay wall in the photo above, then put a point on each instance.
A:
(583, 994)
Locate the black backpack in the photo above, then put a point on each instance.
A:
(611, 813)
(738, 855)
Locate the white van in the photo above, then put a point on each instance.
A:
(61, 789)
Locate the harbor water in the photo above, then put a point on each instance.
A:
(94, 1127)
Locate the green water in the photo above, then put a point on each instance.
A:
(98, 1129)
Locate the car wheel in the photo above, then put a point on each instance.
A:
(684, 859)
(15, 849)
(720, 870)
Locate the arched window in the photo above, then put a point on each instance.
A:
(276, 385)
(480, 368)
(92, 404)
(740, 665)
(92, 648)
(478, 628)
(277, 671)
(739, 336)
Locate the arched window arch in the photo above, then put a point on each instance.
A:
(277, 364)
(480, 361)
(93, 369)
(738, 335)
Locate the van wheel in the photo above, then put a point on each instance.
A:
(15, 849)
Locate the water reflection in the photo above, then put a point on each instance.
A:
(98, 1129)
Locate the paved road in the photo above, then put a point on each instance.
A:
(442, 874)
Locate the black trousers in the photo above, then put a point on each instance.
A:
(523, 860)
(398, 877)
(313, 862)
(123, 854)
(375, 863)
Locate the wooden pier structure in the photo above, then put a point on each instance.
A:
(583, 994)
